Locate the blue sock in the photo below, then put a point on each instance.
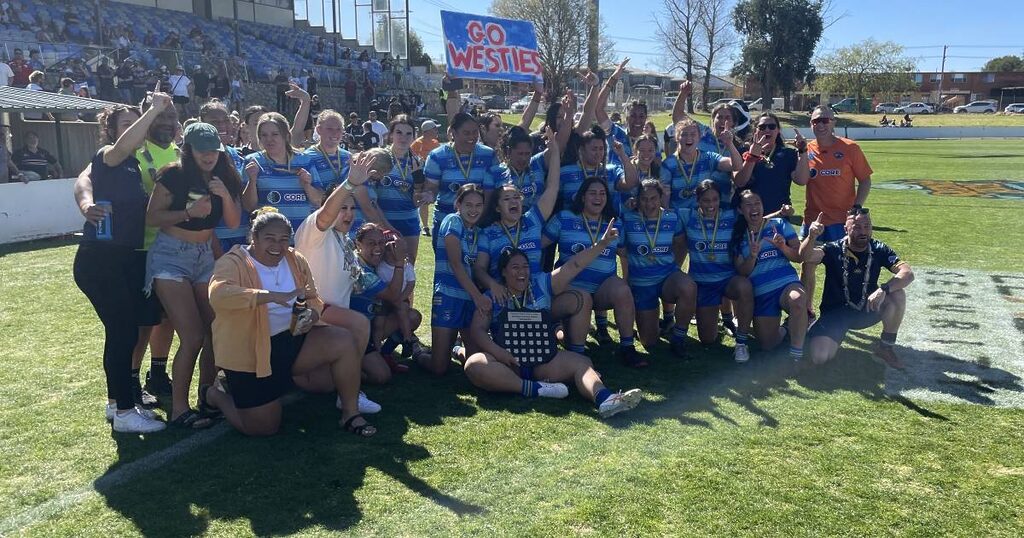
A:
(530, 388)
(626, 341)
(669, 318)
(741, 338)
(796, 352)
(601, 396)
(576, 348)
(389, 345)
(678, 333)
(601, 320)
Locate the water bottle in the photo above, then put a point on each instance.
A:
(104, 227)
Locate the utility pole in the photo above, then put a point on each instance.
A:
(592, 36)
(238, 47)
(942, 75)
(334, 29)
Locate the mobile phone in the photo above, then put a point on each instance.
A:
(453, 84)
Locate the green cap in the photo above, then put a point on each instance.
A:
(203, 137)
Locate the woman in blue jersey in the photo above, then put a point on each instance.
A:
(449, 167)
(763, 248)
(685, 169)
(455, 293)
(708, 229)
(522, 169)
(327, 157)
(494, 369)
(655, 246)
(395, 190)
(280, 176)
(580, 228)
(590, 162)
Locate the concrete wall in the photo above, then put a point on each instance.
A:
(919, 133)
(38, 209)
(177, 5)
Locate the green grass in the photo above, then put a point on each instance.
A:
(714, 449)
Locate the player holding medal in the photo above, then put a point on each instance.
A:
(395, 191)
(707, 230)
(655, 246)
(689, 165)
(494, 369)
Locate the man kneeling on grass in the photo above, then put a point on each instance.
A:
(852, 298)
(495, 368)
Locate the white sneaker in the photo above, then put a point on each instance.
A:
(742, 354)
(366, 405)
(552, 390)
(619, 402)
(135, 422)
(112, 410)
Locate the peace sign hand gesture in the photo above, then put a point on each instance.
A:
(778, 241)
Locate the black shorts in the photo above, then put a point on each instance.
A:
(249, 391)
(149, 311)
(836, 322)
(180, 100)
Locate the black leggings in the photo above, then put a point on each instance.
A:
(111, 277)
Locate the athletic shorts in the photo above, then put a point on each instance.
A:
(408, 225)
(451, 312)
(649, 297)
(249, 391)
(833, 232)
(711, 293)
(836, 322)
(768, 304)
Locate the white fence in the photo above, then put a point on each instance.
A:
(919, 133)
(38, 209)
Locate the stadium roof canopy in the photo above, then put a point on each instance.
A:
(21, 100)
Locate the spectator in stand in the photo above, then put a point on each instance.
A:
(34, 159)
(6, 74)
(364, 56)
(201, 84)
(19, 65)
(379, 128)
(421, 147)
(105, 81)
(235, 96)
(251, 120)
(312, 84)
(83, 92)
(139, 79)
(350, 91)
(35, 60)
(368, 89)
(8, 170)
(281, 84)
(126, 81)
(5, 14)
(368, 139)
(221, 87)
(181, 89)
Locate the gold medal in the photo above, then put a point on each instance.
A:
(714, 233)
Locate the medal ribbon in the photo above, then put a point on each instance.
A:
(657, 228)
(593, 235)
(714, 235)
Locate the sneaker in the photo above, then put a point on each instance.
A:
(143, 398)
(426, 232)
(111, 412)
(418, 351)
(366, 405)
(136, 422)
(742, 354)
(619, 402)
(888, 356)
(459, 353)
(631, 357)
(729, 324)
(678, 348)
(158, 383)
(602, 336)
(552, 390)
(395, 366)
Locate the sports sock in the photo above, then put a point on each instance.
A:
(389, 345)
(602, 321)
(576, 348)
(796, 352)
(530, 388)
(158, 365)
(741, 337)
(668, 318)
(626, 341)
(888, 339)
(135, 374)
(601, 396)
(678, 333)
(727, 316)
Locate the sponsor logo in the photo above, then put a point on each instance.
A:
(577, 248)
(834, 172)
(643, 250)
(274, 197)
(295, 197)
(765, 254)
(529, 245)
(999, 189)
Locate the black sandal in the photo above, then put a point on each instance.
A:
(205, 409)
(190, 420)
(363, 430)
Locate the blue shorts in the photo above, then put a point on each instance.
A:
(408, 225)
(711, 293)
(649, 297)
(451, 312)
(833, 232)
(768, 304)
(170, 258)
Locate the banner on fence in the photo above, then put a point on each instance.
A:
(482, 47)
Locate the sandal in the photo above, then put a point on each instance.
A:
(190, 420)
(205, 409)
(363, 430)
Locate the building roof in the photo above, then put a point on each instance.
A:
(21, 100)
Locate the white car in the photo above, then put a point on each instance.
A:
(522, 103)
(473, 99)
(976, 107)
(670, 98)
(886, 108)
(1015, 108)
(914, 108)
(777, 104)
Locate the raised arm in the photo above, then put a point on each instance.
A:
(548, 199)
(589, 104)
(531, 109)
(733, 162)
(809, 253)
(301, 115)
(630, 177)
(742, 177)
(601, 110)
(250, 197)
(679, 107)
(802, 174)
(562, 276)
(357, 175)
(134, 136)
(453, 103)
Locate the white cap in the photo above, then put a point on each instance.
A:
(428, 125)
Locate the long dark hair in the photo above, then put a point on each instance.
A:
(224, 170)
(490, 214)
(577, 201)
(779, 141)
(740, 229)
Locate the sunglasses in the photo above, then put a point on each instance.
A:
(826, 121)
(857, 210)
(767, 127)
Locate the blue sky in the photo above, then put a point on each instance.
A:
(974, 34)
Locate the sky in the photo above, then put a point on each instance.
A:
(973, 35)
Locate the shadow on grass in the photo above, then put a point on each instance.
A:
(39, 244)
(306, 477)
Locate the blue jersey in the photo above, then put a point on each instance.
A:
(230, 237)
(278, 185)
(772, 270)
(649, 266)
(331, 168)
(619, 134)
(709, 142)
(443, 168)
(496, 239)
(394, 194)
(683, 178)
(469, 241)
(708, 246)
(538, 297)
(572, 176)
(573, 234)
(365, 290)
(530, 182)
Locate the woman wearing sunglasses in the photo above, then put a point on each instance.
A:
(770, 168)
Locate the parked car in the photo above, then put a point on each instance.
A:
(520, 105)
(886, 108)
(914, 108)
(473, 99)
(976, 107)
(495, 102)
(670, 98)
(777, 104)
(850, 105)
(1015, 108)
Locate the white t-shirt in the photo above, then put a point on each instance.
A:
(386, 271)
(6, 74)
(381, 130)
(332, 260)
(276, 279)
(179, 85)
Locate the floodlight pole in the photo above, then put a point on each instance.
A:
(942, 75)
(592, 36)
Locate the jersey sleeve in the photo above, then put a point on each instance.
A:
(890, 260)
(678, 228)
(861, 169)
(616, 172)
(492, 177)
(432, 168)
(666, 172)
(833, 254)
(452, 225)
(785, 229)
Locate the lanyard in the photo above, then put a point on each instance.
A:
(274, 164)
(405, 164)
(688, 184)
(593, 234)
(466, 170)
(527, 298)
(508, 233)
(657, 228)
(337, 171)
(714, 234)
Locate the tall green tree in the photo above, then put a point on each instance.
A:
(779, 38)
(417, 56)
(867, 68)
(1005, 64)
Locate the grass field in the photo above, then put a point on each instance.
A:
(715, 448)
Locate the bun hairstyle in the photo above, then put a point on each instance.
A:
(507, 256)
(652, 183)
(705, 186)
(383, 160)
(461, 119)
(466, 190)
(366, 229)
(265, 216)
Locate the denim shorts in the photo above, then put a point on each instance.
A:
(181, 261)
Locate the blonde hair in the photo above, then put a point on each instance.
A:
(330, 113)
(283, 127)
(383, 160)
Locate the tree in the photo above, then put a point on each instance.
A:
(716, 40)
(679, 27)
(1005, 64)
(779, 41)
(417, 56)
(562, 34)
(866, 68)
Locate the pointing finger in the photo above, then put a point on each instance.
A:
(820, 216)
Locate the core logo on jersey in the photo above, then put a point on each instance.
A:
(274, 197)
(702, 246)
(454, 187)
(833, 172)
(643, 250)
(469, 259)
(577, 248)
(294, 197)
(528, 246)
(765, 254)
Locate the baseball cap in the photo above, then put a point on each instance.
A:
(203, 137)
(428, 125)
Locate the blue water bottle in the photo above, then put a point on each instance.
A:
(104, 227)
